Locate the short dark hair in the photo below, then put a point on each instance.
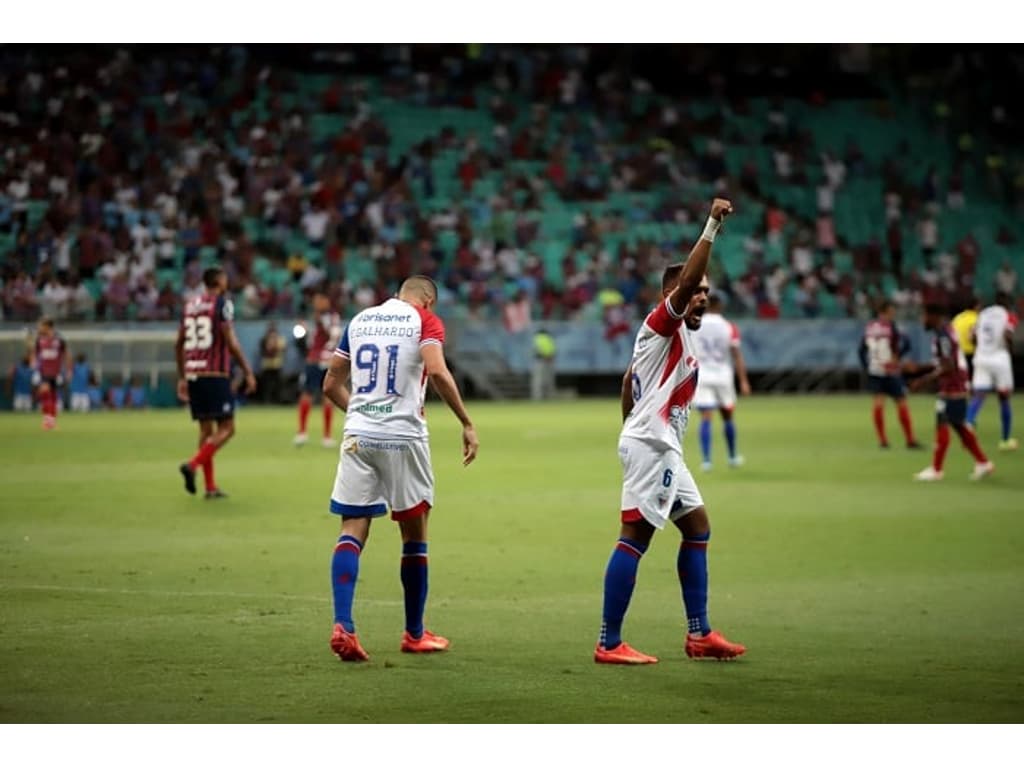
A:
(46, 322)
(211, 276)
(1004, 299)
(885, 305)
(715, 301)
(420, 284)
(671, 275)
(937, 310)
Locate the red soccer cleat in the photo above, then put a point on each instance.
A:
(346, 645)
(427, 643)
(622, 654)
(712, 646)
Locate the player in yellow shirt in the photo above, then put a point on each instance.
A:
(964, 324)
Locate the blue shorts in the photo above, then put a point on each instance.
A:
(892, 386)
(210, 398)
(313, 379)
(951, 410)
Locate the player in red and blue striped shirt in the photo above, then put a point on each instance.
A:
(206, 343)
(949, 369)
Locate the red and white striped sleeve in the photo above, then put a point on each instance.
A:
(734, 335)
(663, 320)
(431, 328)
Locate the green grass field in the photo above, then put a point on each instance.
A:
(861, 595)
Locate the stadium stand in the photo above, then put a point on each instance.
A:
(568, 175)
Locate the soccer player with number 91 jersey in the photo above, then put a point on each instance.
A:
(390, 351)
(657, 487)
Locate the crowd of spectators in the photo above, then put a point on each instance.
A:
(126, 170)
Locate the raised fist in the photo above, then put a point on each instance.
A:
(720, 208)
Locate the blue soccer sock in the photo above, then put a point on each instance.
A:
(730, 437)
(414, 584)
(344, 573)
(692, 565)
(705, 440)
(974, 408)
(619, 580)
(1006, 416)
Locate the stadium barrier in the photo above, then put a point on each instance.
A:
(782, 354)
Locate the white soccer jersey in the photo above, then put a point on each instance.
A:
(388, 379)
(716, 339)
(664, 380)
(993, 322)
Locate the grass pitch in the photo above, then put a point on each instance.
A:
(862, 596)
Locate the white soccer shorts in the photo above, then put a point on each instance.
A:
(80, 401)
(714, 395)
(22, 402)
(653, 481)
(993, 373)
(375, 474)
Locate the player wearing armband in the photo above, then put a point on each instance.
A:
(657, 487)
(391, 351)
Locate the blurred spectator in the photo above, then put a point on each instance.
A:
(516, 313)
(81, 373)
(117, 394)
(272, 348)
(53, 299)
(894, 240)
(136, 396)
(95, 393)
(542, 378)
(20, 383)
(928, 232)
(1006, 278)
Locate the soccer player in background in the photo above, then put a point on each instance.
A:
(80, 384)
(963, 323)
(949, 368)
(391, 351)
(881, 348)
(657, 487)
(319, 349)
(50, 361)
(993, 368)
(206, 342)
(22, 376)
(721, 363)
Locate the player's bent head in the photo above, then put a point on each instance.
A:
(420, 289)
(715, 302)
(45, 323)
(1003, 299)
(213, 276)
(886, 307)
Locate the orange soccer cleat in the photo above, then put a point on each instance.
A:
(346, 645)
(622, 654)
(712, 646)
(428, 642)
